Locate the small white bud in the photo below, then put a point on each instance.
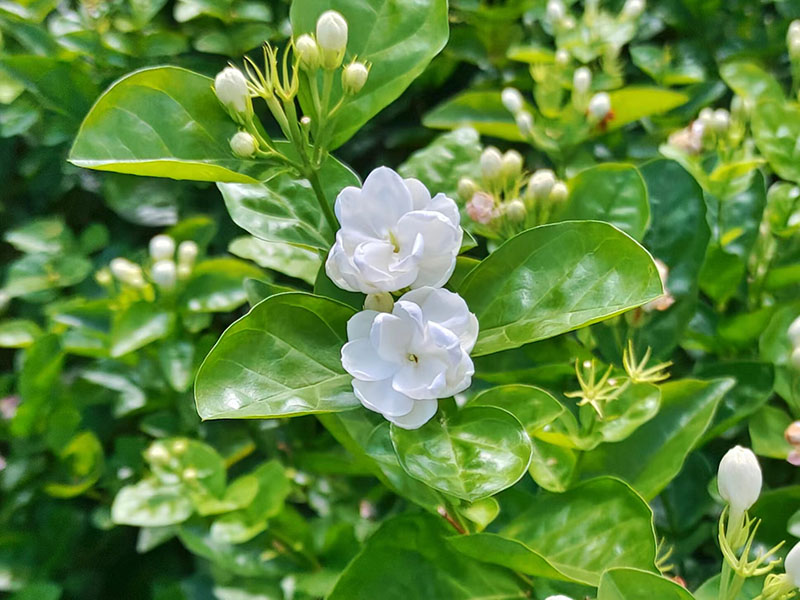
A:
(792, 565)
(491, 163)
(794, 332)
(721, 120)
(512, 100)
(161, 247)
(179, 446)
(466, 188)
(792, 433)
(307, 52)
(794, 29)
(599, 106)
(632, 9)
(354, 76)
(558, 597)
(190, 474)
(230, 86)
(525, 123)
(381, 302)
(127, 272)
(556, 11)
(582, 80)
(164, 274)
(794, 46)
(541, 184)
(706, 116)
(157, 453)
(516, 211)
(562, 57)
(512, 164)
(559, 192)
(739, 479)
(243, 144)
(184, 271)
(332, 38)
(187, 252)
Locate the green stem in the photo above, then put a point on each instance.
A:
(313, 178)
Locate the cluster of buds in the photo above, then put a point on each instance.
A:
(164, 272)
(504, 199)
(710, 126)
(515, 104)
(168, 461)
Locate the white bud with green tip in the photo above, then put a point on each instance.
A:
(231, 89)
(739, 479)
(466, 188)
(541, 184)
(561, 58)
(559, 192)
(380, 302)
(354, 76)
(127, 272)
(515, 211)
(525, 123)
(187, 252)
(164, 274)
(332, 38)
(307, 51)
(720, 120)
(243, 144)
(162, 247)
(512, 164)
(491, 163)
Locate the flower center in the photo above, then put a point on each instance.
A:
(395, 243)
(413, 358)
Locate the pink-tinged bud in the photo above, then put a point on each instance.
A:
(481, 208)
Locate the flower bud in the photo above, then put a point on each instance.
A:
(230, 86)
(793, 38)
(162, 247)
(792, 433)
(541, 184)
(307, 52)
(632, 9)
(794, 359)
(491, 163)
(559, 192)
(164, 274)
(332, 38)
(720, 120)
(512, 100)
(794, 29)
(187, 252)
(512, 164)
(516, 211)
(382, 302)
(184, 271)
(794, 47)
(354, 77)
(466, 188)
(561, 58)
(794, 332)
(706, 116)
(556, 11)
(525, 123)
(599, 106)
(481, 208)
(582, 80)
(127, 272)
(558, 597)
(739, 479)
(792, 565)
(157, 453)
(243, 144)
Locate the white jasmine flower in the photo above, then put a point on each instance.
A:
(354, 76)
(739, 479)
(164, 273)
(393, 236)
(161, 247)
(243, 144)
(600, 106)
(512, 100)
(404, 361)
(230, 86)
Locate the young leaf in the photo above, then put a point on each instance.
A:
(626, 584)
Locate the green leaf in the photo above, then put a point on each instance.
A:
(398, 38)
(151, 504)
(470, 454)
(282, 257)
(38, 272)
(483, 111)
(592, 527)
(82, 464)
(49, 236)
(556, 278)
(444, 161)
(552, 466)
(750, 81)
(533, 407)
(408, 558)
(285, 209)
(628, 584)
(614, 193)
(650, 457)
(767, 429)
(137, 325)
(176, 357)
(636, 102)
(18, 333)
(776, 128)
(217, 285)
(280, 359)
(162, 122)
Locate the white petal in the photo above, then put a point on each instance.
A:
(442, 241)
(385, 195)
(425, 379)
(379, 396)
(339, 268)
(447, 207)
(391, 336)
(360, 359)
(420, 196)
(359, 324)
(448, 309)
(422, 412)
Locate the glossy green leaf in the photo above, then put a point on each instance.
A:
(766, 429)
(614, 193)
(81, 465)
(552, 466)
(776, 127)
(217, 285)
(555, 278)
(592, 527)
(39, 272)
(18, 333)
(177, 359)
(151, 504)
(627, 584)
(281, 359)
(138, 325)
(48, 235)
(483, 111)
(633, 103)
(470, 454)
(398, 38)
(408, 558)
(173, 126)
(532, 406)
(748, 80)
(650, 457)
(282, 257)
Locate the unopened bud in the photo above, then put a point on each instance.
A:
(332, 38)
(599, 106)
(512, 164)
(157, 453)
(164, 274)
(162, 247)
(307, 52)
(512, 100)
(382, 302)
(559, 192)
(582, 80)
(305, 123)
(187, 252)
(466, 188)
(525, 123)
(127, 272)
(556, 11)
(739, 479)
(103, 277)
(792, 433)
(706, 116)
(794, 47)
(516, 211)
(354, 76)
(541, 184)
(794, 358)
(230, 86)
(179, 446)
(189, 474)
(243, 144)
(480, 208)
(562, 58)
(491, 163)
(720, 120)
(794, 29)
(632, 9)
(558, 597)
